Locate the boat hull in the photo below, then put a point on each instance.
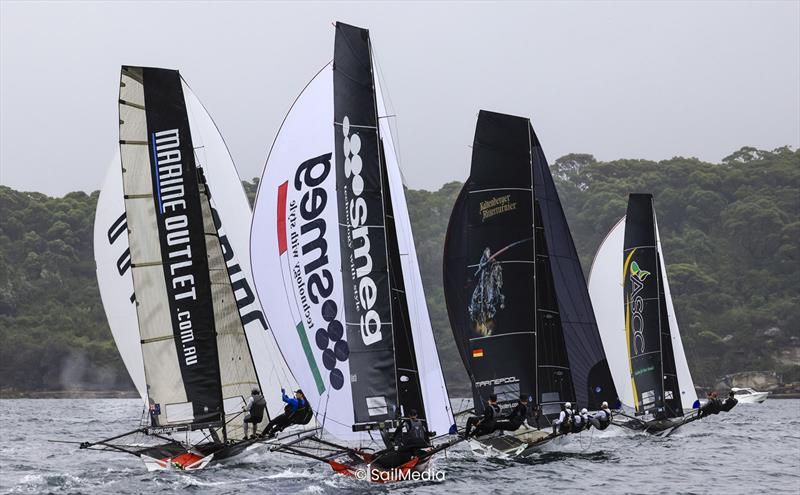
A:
(756, 398)
(509, 445)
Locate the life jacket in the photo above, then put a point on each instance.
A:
(303, 414)
(414, 433)
(257, 408)
(728, 404)
(566, 424)
(605, 420)
(495, 412)
(518, 415)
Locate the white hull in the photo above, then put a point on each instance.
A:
(756, 398)
(508, 445)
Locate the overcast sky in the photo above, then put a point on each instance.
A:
(614, 79)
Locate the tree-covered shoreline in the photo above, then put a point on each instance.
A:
(730, 232)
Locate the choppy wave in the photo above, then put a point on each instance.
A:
(754, 448)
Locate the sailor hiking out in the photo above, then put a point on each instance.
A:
(729, 403)
(602, 418)
(296, 412)
(563, 424)
(486, 423)
(516, 417)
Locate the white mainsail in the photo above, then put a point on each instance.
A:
(606, 291)
(233, 213)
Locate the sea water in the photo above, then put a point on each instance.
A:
(755, 448)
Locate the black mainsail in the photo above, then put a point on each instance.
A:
(653, 370)
(515, 292)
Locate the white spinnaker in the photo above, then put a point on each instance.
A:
(114, 275)
(438, 413)
(277, 257)
(230, 201)
(606, 291)
(685, 383)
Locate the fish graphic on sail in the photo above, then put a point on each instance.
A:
(178, 298)
(331, 230)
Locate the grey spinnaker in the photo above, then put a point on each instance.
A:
(590, 371)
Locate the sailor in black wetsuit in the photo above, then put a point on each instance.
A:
(254, 411)
(535, 416)
(484, 424)
(729, 403)
(516, 417)
(713, 406)
(412, 435)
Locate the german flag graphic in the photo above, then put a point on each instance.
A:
(476, 353)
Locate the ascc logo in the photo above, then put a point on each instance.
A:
(637, 278)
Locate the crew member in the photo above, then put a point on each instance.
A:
(563, 424)
(729, 403)
(580, 421)
(712, 406)
(535, 416)
(254, 411)
(412, 435)
(516, 417)
(602, 418)
(484, 424)
(297, 412)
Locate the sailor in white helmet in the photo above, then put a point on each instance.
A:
(602, 418)
(564, 422)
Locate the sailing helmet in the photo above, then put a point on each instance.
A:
(584, 411)
(568, 405)
(604, 405)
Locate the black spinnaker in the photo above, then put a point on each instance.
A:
(520, 326)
